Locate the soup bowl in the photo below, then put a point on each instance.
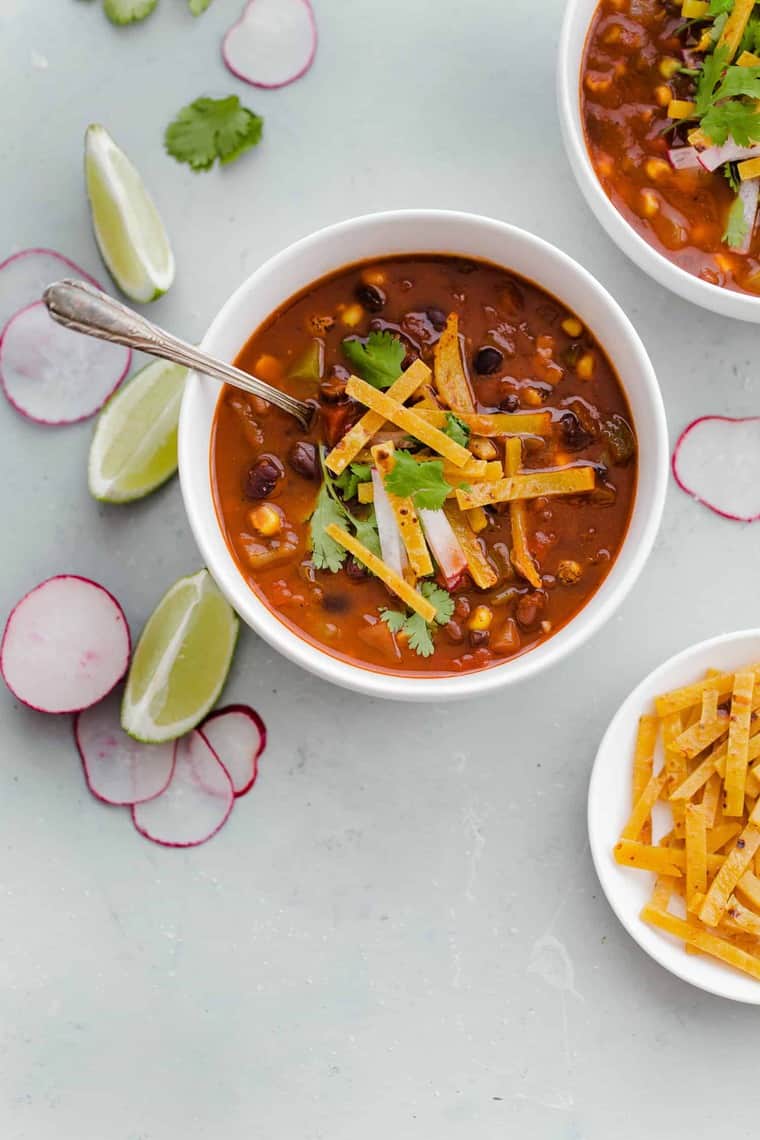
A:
(414, 232)
(726, 302)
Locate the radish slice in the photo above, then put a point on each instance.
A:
(53, 375)
(391, 543)
(65, 646)
(197, 801)
(444, 545)
(715, 156)
(238, 736)
(717, 461)
(24, 277)
(684, 158)
(118, 769)
(273, 43)
(749, 192)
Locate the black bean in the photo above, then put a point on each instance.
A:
(336, 603)
(437, 318)
(575, 437)
(488, 360)
(479, 638)
(530, 608)
(510, 403)
(371, 298)
(302, 457)
(263, 476)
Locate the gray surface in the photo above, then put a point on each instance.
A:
(400, 932)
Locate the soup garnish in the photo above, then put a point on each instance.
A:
(671, 108)
(465, 486)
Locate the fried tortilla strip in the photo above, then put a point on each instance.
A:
(748, 889)
(704, 940)
(696, 850)
(490, 424)
(737, 754)
(522, 559)
(371, 422)
(679, 699)
(711, 799)
(407, 522)
(483, 574)
(448, 369)
(393, 581)
(478, 519)
(736, 863)
(742, 917)
(409, 420)
(702, 734)
(643, 763)
(735, 27)
(675, 765)
(644, 857)
(566, 481)
(719, 836)
(642, 809)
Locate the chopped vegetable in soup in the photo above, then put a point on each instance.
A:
(466, 483)
(671, 108)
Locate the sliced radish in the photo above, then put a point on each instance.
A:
(717, 461)
(118, 769)
(714, 156)
(197, 801)
(273, 43)
(24, 277)
(749, 192)
(65, 646)
(53, 375)
(391, 543)
(684, 158)
(444, 545)
(238, 735)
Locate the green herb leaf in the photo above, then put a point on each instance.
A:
(379, 360)
(198, 7)
(732, 176)
(740, 120)
(712, 73)
(212, 128)
(422, 482)
(366, 531)
(348, 481)
(420, 637)
(719, 7)
(456, 430)
(739, 81)
(327, 554)
(394, 619)
(751, 37)
(441, 599)
(736, 225)
(128, 11)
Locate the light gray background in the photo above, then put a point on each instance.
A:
(400, 932)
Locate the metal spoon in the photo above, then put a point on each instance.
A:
(83, 308)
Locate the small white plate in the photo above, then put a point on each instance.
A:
(609, 805)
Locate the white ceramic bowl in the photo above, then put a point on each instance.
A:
(425, 231)
(743, 306)
(609, 805)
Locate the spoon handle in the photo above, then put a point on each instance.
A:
(84, 309)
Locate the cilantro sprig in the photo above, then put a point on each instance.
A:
(211, 129)
(330, 508)
(419, 632)
(737, 227)
(421, 481)
(349, 480)
(377, 360)
(457, 430)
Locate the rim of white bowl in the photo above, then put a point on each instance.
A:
(719, 979)
(198, 498)
(572, 42)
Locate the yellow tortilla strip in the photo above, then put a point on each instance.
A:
(735, 27)
(473, 469)
(449, 373)
(522, 559)
(494, 423)
(701, 735)
(736, 863)
(748, 888)
(392, 580)
(675, 765)
(483, 574)
(719, 836)
(478, 519)
(642, 809)
(711, 798)
(567, 481)
(409, 420)
(371, 422)
(737, 754)
(703, 940)
(642, 856)
(742, 917)
(643, 763)
(696, 850)
(679, 699)
(405, 515)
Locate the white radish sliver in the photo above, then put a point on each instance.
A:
(53, 375)
(65, 646)
(196, 803)
(391, 542)
(118, 769)
(273, 43)
(717, 462)
(444, 545)
(238, 736)
(25, 275)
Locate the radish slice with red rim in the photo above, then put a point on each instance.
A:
(53, 375)
(24, 276)
(684, 158)
(717, 461)
(118, 769)
(238, 735)
(273, 43)
(391, 542)
(66, 645)
(444, 545)
(197, 801)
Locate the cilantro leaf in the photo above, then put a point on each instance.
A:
(441, 599)
(739, 81)
(710, 76)
(327, 554)
(719, 7)
(212, 128)
(736, 225)
(198, 7)
(128, 11)
(378, 360)
(751, 37)
(420, 637)
(740, 120)
(348, 481)
(366, 532)
(422, 482)
(456, 430)
(394, 619)
(731, 175)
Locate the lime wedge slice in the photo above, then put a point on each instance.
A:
(134, 449)
(181, 661)
(127, 225)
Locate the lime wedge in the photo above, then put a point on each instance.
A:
(127, 225)
(181, 661)
(134, 449)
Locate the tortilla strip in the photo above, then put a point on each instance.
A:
(494, 423)
(392, 580)
(483, 574)
(737, 754)
(703, 940)
(735, 27)
(702, 734)
(371, 422)
(643, 763)
(405, 515)
(679, 699)
(478, 519)
(474, 469)
(449, 372)
(719, 836)
(522, 559)
(736, 863)
(696, 850)
(748, 888)
(675, 765)
(642, 809)
(662, 860)
(409, 420)
(742, 917)
(566, 481)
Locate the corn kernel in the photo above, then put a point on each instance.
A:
(695, 9)
(597, 84)
(533, 397)
(663, 95)
(613, 34)
(352, 315)
(681, 109)
(481, 618)
(657, 168)
(748, 59)
(705, 41)
(373, 277)
(669, 66)
(585, 369)
(266, 519)
(649, 203)
(572, 326)
(569, 572)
